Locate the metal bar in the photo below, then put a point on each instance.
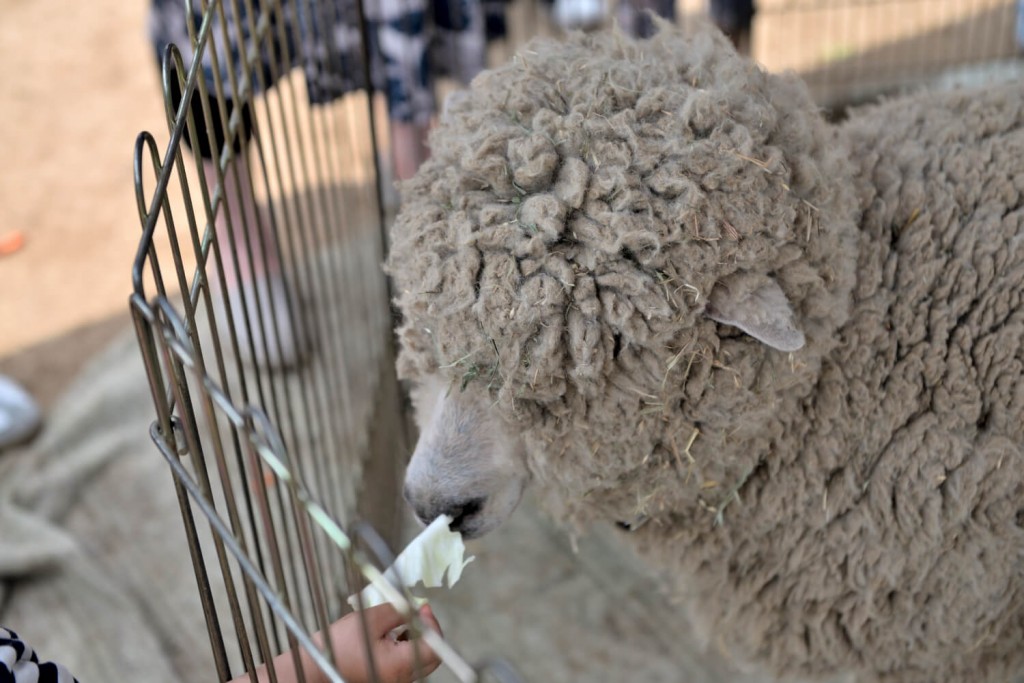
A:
(281, 404)
(269, 529)
(198, 565)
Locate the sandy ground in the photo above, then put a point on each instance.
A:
(79, 83)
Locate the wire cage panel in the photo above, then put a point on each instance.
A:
(263, 319)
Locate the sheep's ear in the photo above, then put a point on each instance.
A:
(758, 306)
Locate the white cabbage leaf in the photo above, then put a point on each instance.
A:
(436, 552)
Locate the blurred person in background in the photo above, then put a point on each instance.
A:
(735, 19)
(410, 44)
(636, 16)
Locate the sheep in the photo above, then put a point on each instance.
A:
(651, 279)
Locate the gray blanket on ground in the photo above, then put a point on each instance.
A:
(89, 525)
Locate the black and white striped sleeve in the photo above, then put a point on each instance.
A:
(19, 663)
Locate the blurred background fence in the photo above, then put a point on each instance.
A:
(851, 50)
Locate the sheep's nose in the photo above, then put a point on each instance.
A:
(461, 511)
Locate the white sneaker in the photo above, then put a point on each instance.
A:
(20, 417)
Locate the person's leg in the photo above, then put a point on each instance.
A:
(398, 31)
(495, 19)
(249, 252)
(408, 147)
(254, 288)
(644, 25)
(459, 41)
(250, 258)
(735, 19)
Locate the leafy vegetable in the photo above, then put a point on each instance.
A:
(437, 551)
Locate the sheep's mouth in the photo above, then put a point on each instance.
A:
(472, 531)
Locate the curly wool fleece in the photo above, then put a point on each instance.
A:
(855, 505)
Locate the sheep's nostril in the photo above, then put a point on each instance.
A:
(460, 514)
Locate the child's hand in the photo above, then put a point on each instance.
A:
(401, 661)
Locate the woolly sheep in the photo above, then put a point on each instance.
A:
(651, 278)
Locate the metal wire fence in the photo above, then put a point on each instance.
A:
(264, 323)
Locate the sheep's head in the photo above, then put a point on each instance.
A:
(617, 236)
(470, 464)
